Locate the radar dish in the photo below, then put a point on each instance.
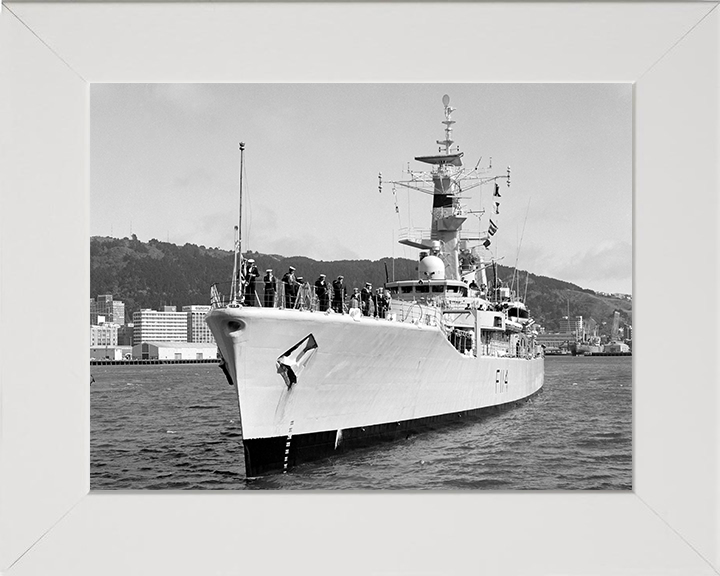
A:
(446, 100)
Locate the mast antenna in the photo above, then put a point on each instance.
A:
(242, 161)
(448, 124)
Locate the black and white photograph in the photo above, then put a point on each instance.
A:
(397, 278)
(361, 286)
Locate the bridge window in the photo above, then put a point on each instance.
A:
(440, 288)
(406, 289)
(423, 289)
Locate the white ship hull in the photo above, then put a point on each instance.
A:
(366, 377)
(312, 383)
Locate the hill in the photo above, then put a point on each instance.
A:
(155, 274)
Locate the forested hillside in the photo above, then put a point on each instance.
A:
(154, 274)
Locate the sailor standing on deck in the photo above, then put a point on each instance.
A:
(379, 304)
(385, 302)
(251, 274)
(323, 293)
(291, 287)
(270, 288)
(355, 299)
(365, 298)
(338, 294)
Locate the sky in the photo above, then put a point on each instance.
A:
(164, 164)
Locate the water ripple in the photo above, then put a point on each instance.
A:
(575, 435)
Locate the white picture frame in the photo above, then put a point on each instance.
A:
(50, 523)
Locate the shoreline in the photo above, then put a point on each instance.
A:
(155, 361)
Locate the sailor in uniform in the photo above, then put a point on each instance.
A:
(322, 292)
(338, 294)
(270, 288)
(291, 285)
(365, 298)
(355, 299)
(251, 274)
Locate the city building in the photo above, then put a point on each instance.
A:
(104, 335)
(174, 351)
(93, 312)
(198, 330)
(614, 335)
(113, 310)
(125, 334)
(155, 326)
(574, 325)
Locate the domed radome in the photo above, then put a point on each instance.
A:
(431, 268)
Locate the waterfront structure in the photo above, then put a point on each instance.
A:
(168, 325)
(174, 351)
(197, 329)
(616, 348)
(556, 341)
(110, 352)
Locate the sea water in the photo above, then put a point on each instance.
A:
(176, 427)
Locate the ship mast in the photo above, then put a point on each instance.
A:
(237, 291)
(448, 124)
(445, 182)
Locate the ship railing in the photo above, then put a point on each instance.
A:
(416, 313)
(304, 299)
(423, 235)
(494, 348)
(218, 298)
(414, 234)
(220, 295)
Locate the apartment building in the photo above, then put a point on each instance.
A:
(167, 325)
(104, 335)
(197, 330)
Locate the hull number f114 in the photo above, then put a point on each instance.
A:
(501, 381)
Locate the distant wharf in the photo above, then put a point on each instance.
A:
(154, 361)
